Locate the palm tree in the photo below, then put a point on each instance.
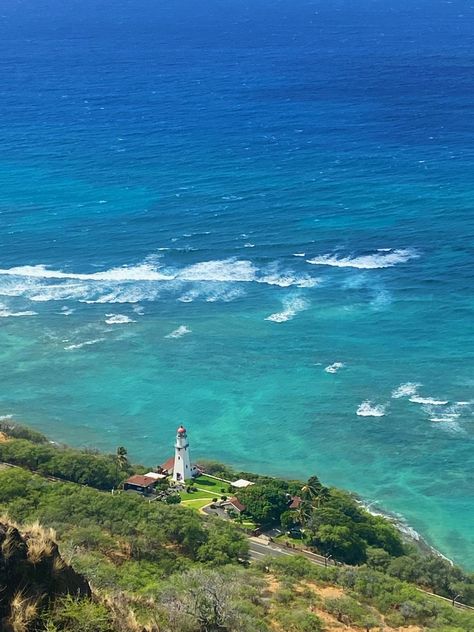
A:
(323, 496)
(311, 489)
(121, 458)
(304, 513)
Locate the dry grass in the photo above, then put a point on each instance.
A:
(124, 618)
(330, 622)
(23, 612)
(10, 544)
(3, 437)
(41, 542)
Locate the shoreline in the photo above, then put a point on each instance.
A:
(408, 533)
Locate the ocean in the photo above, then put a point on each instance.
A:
(254, 218)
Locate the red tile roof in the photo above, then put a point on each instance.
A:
(295, 502)
(237, 504)
(169, 464)
(141, 481)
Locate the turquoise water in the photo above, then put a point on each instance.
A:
(255, 220)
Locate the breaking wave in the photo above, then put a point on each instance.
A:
(6, 313)
(383, 258)
(181, 331)
(429, 401)
(334, 367)
(118, 319)
(145, 281)
(405, 390)
(291, 307)
(368, 409)
(86, 343)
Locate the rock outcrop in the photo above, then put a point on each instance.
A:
(32, 575)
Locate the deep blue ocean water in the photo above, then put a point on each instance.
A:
(254, 218)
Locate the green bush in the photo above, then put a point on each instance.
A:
(72, 615)
(299, 620)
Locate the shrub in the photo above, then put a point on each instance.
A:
(173, 499)
(71, 615)
(300, 620)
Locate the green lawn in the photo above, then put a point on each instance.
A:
(214, 487)
(207, 489)
(199, 494)
(196, 503)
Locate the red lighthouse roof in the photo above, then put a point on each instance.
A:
(181, 430)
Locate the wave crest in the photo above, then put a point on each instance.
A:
(368, 409)
(292, 306)
(213, 280)
(380, 259)
(181, 331)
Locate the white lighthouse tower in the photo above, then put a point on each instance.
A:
(182, 470)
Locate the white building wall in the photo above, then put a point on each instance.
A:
(182, 470)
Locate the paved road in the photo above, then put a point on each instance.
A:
(260, 548)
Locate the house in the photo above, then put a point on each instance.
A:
(233, 504)
(167, 466)
(141, 484)
(295, 502)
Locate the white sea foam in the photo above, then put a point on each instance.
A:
(334, 367)
(405, 390)
(249, 245)
(368, 409)
(220, 270)
(299, 254)
(5, 417)
(118, 319)
(428, 401)
(66, 311)
(6, 313)
(86, 343)
(143, 282)
(380, 259)
(181, 331)
(291, 307)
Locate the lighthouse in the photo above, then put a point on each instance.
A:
(182, 470)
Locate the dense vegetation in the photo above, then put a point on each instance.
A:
(173, 591)
(31, 450)
(330, 520)
(165, 568)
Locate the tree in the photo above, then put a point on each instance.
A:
(121, 458)
(304, 513)
(345, 609)
(311, 489)
(323, 496)
(208, 601)
(340, 542)
(288, 520)
(378, 559)
(264, 503)
(224, 545)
